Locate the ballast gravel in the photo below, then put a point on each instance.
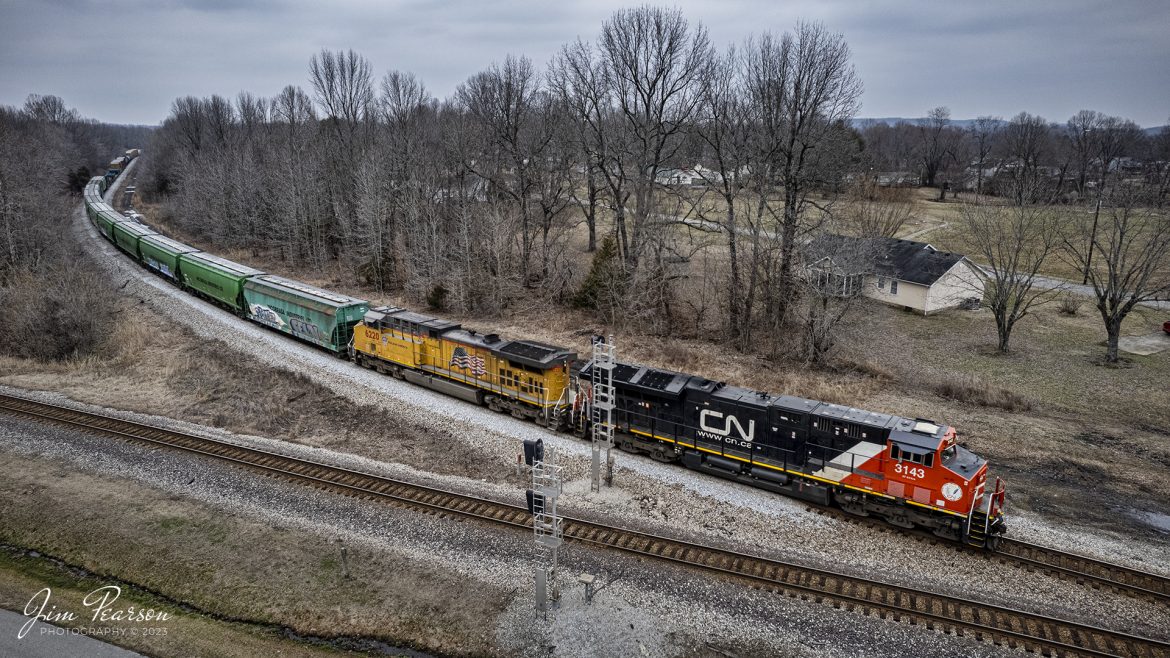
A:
(640, 609)
(667, 499)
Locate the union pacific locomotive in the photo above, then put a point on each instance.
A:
(911, 472)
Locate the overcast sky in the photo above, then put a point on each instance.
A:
(126, 60)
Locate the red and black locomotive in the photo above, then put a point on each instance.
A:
(911, 472)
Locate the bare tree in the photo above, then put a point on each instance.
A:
(501, 101)
(726, 125)
(1160, 163)
(1127, 259)
(1026, 143)
(802, 87)
(653, 60)
(343, 84)
(983, 132)
(936, 144)
(874, 211)
(406, 110)
(1110, 138)
(49, 109)
(1015, 242)
(577, 76)
(1083, 132)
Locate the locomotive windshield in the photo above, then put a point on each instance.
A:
(948, 454)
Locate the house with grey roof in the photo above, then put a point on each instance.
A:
(914, 275)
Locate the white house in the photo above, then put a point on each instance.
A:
(696, 176)
(904, 273)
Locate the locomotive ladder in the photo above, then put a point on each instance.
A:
(601, 409)
(983, 514)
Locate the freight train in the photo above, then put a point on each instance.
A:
(912, 472)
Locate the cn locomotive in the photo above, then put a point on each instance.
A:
(912, 472)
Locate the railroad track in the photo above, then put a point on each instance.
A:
(1004, 626)
(1087, 570)
(1068, 566)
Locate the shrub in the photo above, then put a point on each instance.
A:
(55, 314)
(603, 283)
(1070, 304)
(437, 297)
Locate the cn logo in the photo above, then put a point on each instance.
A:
(723, 426)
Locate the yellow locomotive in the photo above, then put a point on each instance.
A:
(521, 377)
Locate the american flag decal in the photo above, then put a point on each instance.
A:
(461, 359)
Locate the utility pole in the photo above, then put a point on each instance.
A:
(546, 522)
(601, 409)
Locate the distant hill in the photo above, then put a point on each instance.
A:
(862, 122)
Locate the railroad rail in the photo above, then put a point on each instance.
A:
(1004, 626)
(1078, 568)
(1087, 570)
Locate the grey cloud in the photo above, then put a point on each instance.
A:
(127, 60)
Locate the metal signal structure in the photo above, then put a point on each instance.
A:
(601, 408)
(546, 522)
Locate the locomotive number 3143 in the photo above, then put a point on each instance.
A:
(912, 472)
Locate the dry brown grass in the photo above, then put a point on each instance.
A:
(974, 390)
(151, 366)
(197, 554)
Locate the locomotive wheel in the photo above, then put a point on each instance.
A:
(661, 455)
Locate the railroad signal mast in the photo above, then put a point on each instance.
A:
(601, 408)
(546, 522)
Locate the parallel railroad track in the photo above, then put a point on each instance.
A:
(1088, 570)
(986, 622)
(1069, 566)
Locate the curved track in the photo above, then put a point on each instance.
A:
(987, 622)
(1064, 565)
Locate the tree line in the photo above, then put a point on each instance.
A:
(51, 304)
(1052, 161)
(692, 176)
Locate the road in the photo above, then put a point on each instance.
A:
(1051, 283)
(45, 640)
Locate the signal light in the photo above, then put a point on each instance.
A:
(533, 451)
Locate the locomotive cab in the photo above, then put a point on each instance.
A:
(923, 457)
(927, 468)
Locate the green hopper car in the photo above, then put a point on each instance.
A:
(127, 234)
(106, 219)
(93, 198)
(218, 279)
(94, 189)
(317, 316)
(161, 254)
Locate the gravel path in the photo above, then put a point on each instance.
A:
(666, 498)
